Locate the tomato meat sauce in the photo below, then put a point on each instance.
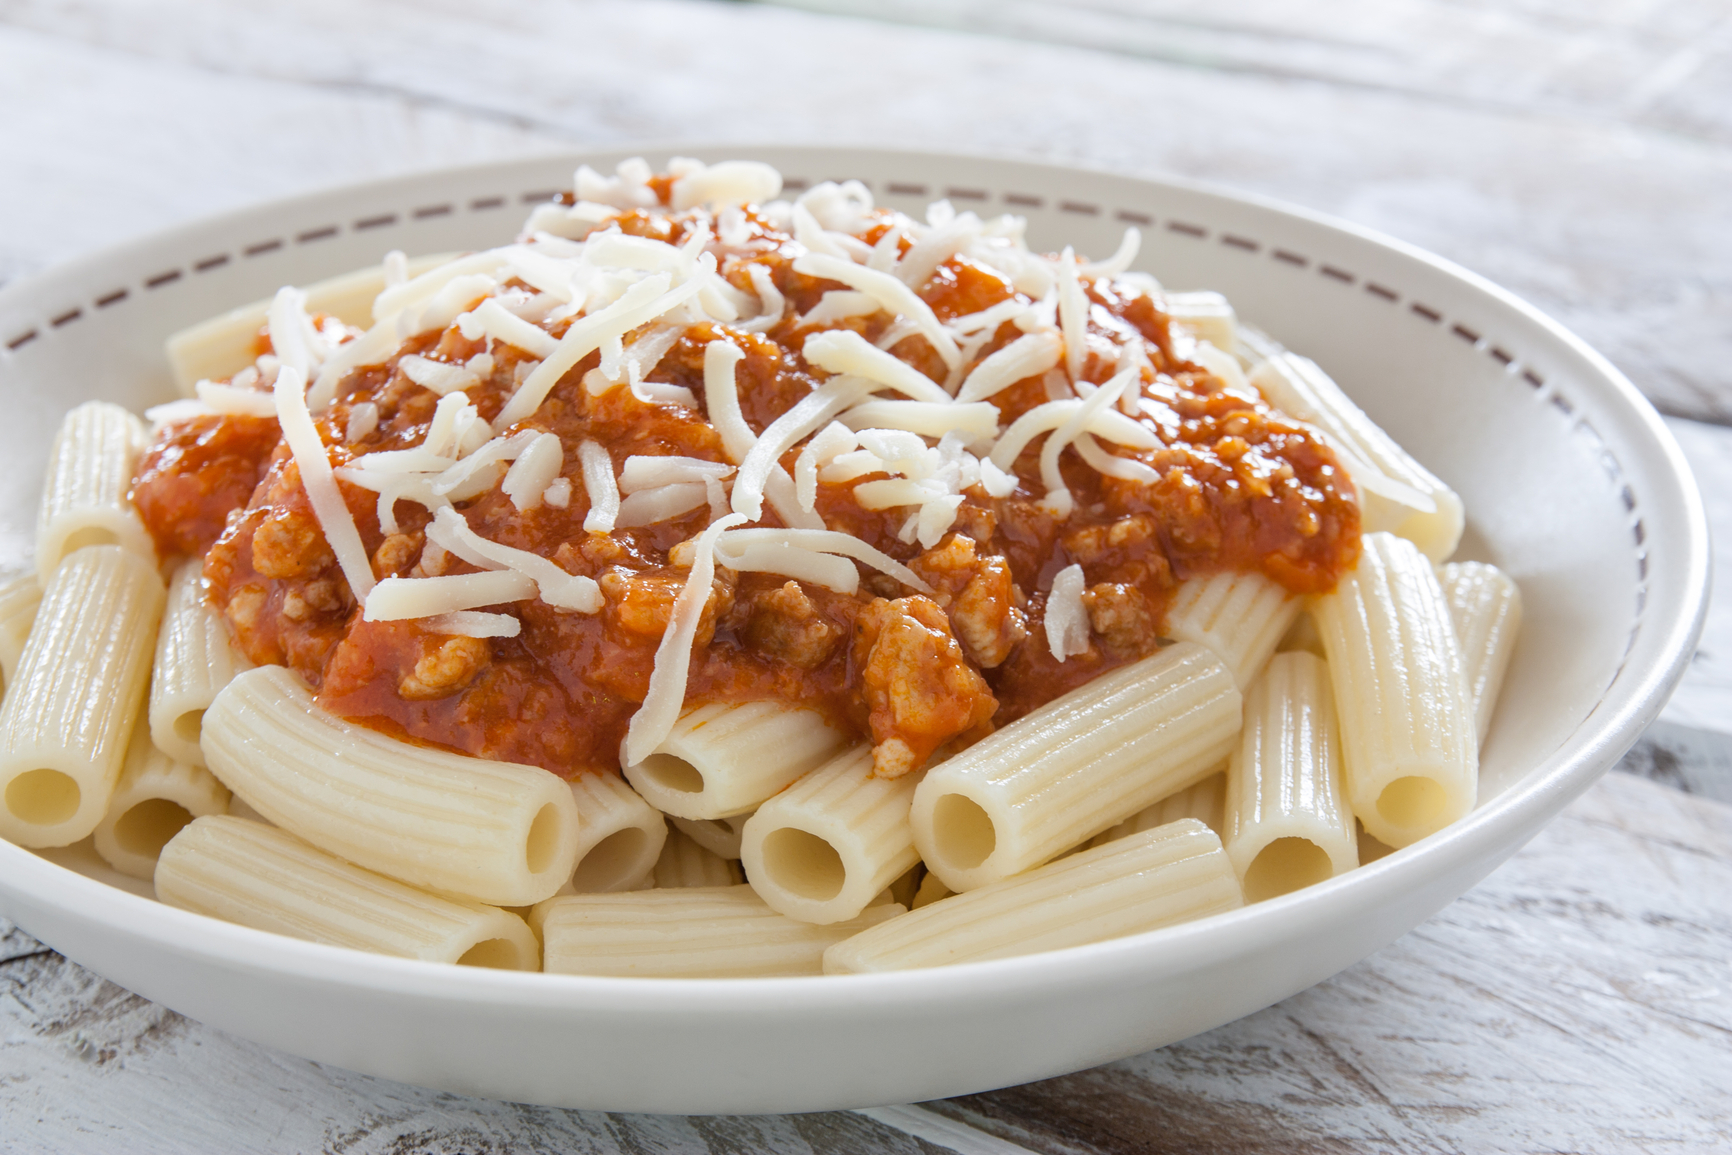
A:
(1236, 486)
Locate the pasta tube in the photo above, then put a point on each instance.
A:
(155, 797)
(1239, 616)
(495, 832)
(1407, 726)
(707, 932)
(248, 873)
(685, 864)
(1486, 608)
(84, 491)
(1206, 316)
(1168, 875)
(70, 712)
(931, 889)
(1078, 765)
(1288, 824)
(1302, 635)
(1397, 493)
(1206, 802)
(194, 660)
(716, 835)
(224, 345)
(18, 601)
(724, 759)
(824, 848)
(620, 837)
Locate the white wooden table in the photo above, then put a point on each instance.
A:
(1580, 999)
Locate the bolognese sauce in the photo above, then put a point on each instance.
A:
(1232, 485)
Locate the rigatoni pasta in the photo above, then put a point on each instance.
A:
(1408, 737)
(620, 837)
(84, 492)
(19, 598)
(79, 691)
(1082, 764)
(1486, 609)
(721, 760)
(1240, 617)
(194, 661)
(155, 797)
(1171, 874)
(1287, 820)
(1206, 802)
(693, 932)
(683, 863)
(717, 835)
(823, 848)
(490, 831)
(254, 875)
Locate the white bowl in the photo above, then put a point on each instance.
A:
(1572, 484)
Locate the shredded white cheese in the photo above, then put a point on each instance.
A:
(889, 292)
(320, 482)
(599, 482)
(397, 599)
(492, 319)
(1058, 499)
(470, 624)
(638, 305)
(977, 421)
(839, 305)
(845, 351)
(559, 589)
(1121, 258)
(655, 719)
(807, 415)
(1073, 315)
(827, 541)
(533, 471)
(1067, 622)
(1027, 356)
(241, 402)
(643, 471)
(649, 506)
(438, 376)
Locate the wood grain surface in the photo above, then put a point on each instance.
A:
(1578, 1000)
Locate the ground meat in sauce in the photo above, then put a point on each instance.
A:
(1240, 488)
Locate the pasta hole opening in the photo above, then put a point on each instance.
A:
(495, 953)
(1414, 802)
(189, 727)
(963, 832)
(671, 773)
(43, 797)
(613, 861)
(1286, 865)
(146, 828)
(804, 863)
(85, 536)
(543, 841)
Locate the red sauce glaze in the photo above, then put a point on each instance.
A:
(1240, 488)
(195, 473)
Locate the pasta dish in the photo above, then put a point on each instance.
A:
(950, 600)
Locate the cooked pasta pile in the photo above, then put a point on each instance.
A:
(920, 579)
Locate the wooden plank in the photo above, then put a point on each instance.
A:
(1616, 228)
(1580, 999)
(1662, 65)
